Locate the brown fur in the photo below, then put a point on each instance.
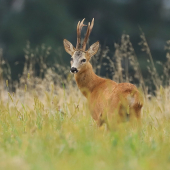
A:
(108, 101)
(106, 97)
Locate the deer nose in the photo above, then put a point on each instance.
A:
(73, 70)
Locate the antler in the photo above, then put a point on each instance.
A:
(89, 29)
(79, 28)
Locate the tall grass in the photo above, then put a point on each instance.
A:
(45, 123)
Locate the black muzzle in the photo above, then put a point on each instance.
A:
(73, 70)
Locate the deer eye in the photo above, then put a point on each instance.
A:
(71, 59)
(84, 60)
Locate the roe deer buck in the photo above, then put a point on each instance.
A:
(106, 98)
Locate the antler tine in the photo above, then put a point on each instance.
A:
(92, 23)
(89, 29)
(78, 35)
(79, 28)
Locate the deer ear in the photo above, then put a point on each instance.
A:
(93, 49)
(68, 47)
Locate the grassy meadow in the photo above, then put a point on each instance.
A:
(45, 123)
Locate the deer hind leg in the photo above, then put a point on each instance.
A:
(123, 112)
(135, 115)
(135, 106)
(137, 109)
(127, 112)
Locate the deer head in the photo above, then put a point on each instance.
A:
(79, 55)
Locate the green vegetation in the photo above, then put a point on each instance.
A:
(46, 124)
(36, 134)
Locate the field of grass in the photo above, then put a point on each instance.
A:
(47, 125)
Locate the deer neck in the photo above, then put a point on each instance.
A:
(87, 80)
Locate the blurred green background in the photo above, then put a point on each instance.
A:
(50, 21)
